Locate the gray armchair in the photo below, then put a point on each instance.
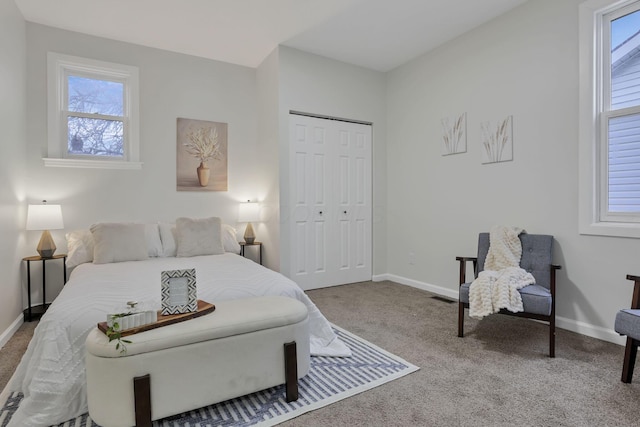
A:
(628, 323)
(539, 300)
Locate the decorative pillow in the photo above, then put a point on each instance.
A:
(230, 239)
(198, 237)
(152, 236)
(117, 242)
(79, 247)
(168, 237)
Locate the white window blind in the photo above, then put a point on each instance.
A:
(624, 164)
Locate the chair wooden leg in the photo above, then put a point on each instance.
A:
(552, 337)
(460, 319)
(630, 352)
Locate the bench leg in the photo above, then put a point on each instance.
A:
(291, 370)
(142, 396)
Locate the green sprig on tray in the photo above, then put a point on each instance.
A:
(115, 334)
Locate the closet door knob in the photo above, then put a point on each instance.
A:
(345, 212)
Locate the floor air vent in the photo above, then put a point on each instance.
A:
(443, 299)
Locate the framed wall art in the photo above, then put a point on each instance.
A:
(179, 293)
(201, 157)
(497, 141)
(454, 134)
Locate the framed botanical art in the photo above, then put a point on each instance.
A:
(179, 293)
(497, 141)
(201, 156)
(454, 134)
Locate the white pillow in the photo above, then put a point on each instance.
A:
(117, 242)
(168, 237)
(79, 247)
(152, 236)
(201, 236)
(229, 239)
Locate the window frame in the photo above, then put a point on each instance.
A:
(594, 115)
(59, 67)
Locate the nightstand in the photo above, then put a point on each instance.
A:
(258, 244)
(35, 312)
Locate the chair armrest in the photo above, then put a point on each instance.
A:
(463, 267)
(635, 299)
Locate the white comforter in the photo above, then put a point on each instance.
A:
(51, 374)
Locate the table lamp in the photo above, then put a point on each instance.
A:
(45, 217)
(249, 212)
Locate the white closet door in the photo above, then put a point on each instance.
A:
(330, 195)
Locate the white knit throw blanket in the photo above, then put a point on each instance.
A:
(497, 285)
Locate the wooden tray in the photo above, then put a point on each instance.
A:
(203, 308)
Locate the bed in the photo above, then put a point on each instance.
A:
(51, 374)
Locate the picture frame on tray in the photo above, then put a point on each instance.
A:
(179, 291)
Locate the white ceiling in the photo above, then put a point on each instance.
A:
(376, 34)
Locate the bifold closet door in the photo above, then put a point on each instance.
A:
(330, 199)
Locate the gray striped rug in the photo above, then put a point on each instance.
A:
(330, 379)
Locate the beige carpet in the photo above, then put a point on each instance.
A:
(11, 353)
(497, 375)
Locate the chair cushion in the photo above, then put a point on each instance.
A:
(628, 323)
(535, 298)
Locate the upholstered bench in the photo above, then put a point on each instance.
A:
(240, 348)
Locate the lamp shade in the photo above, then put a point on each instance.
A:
(44, 217)
(249, 212)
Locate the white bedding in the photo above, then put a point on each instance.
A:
(51, 374)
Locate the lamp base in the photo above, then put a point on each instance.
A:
(46, 247)
(249, 235)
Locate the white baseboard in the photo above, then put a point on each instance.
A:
(417, 284)
(8, 333)
(589, 330)
(561, 322)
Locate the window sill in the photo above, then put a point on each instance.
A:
(623, 229)
(91, 164)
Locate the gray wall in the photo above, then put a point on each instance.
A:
(525, 64)
(171, 86)
(13, 114)
(268, 137)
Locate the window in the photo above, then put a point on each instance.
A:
(610, 118)
(93, 113)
